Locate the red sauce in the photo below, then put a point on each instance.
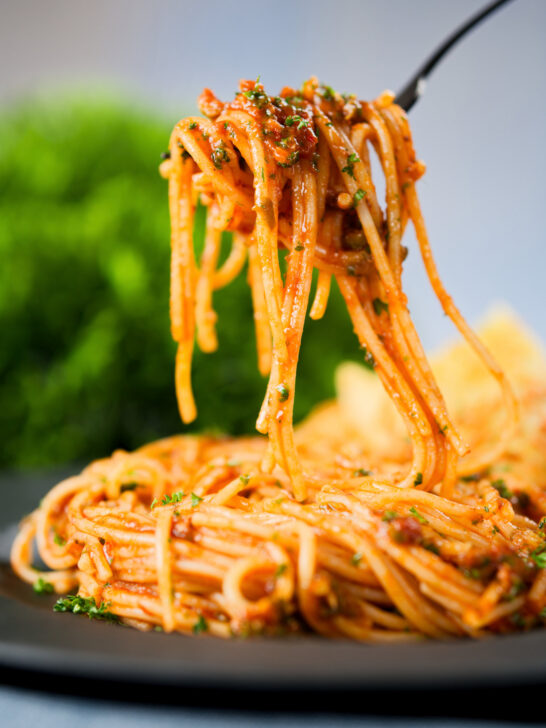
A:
(286, 121)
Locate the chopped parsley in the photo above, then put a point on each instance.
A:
(542, 523)
(389, 515)
(258, 97)
(128, 486)
(328, 93)
(361, 473)
(85, 605)
(349, 168)
(299, 247)
(356, 559)
(168, 500)
(59, 540)
(379, 306)
(358, 195)
(219, 155)
(430, 546)
(43, 587)
(283, 391)
(200, 626)
(245, 478)
(279, 571)
(502, 488)
(300, 121)
(418, 479)
(195, 500)
(192, 125)
(539, 557)
(291, 161)
(414, 512)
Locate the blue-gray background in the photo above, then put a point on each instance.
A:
(480, 127)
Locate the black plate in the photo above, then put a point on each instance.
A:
(33, 637)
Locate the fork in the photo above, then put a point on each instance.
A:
(415, 87)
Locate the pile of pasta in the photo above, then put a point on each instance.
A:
(387, 515)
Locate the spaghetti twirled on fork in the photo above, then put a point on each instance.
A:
(282, 533)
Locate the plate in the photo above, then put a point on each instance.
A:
(34, 638)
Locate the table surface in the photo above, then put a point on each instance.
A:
(22, 708)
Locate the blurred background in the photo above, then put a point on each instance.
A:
(88, 95)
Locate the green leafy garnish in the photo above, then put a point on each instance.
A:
(414, 512)
(356, 559)
(245, 478)
(283, 391)
(379, 306)
(502, 488)
(43, 587)
(418, 479)
(430, 546)
(128, 486)
(192, 125)
(349, 168)
(301, 123)
(168, 500)
(279, 571)
(219, 155)
(328, 93)
(358, 195)
(200, 626)
(195, 500)
(389, 515)
(85, 605)
(58, 539)
(539, 557)
(361, 473)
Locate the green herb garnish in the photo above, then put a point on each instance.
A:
(200, 626)
(502, 488)
(361, 473)
(128, 486)
(414, 512)
(58, 539)
(352, 159)
(195, 500)
(283, 391)
(168, 500)
(301, 122)
(279, 571)
(85, 605)
(389, 515)
(219, 155)
(356, 559)
(539, 557)
(358, 195)
(418, 479)
(43, 587)
(379, 306)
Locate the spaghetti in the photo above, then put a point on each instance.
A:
(297, 531)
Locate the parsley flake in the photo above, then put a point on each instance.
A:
(43, 587)
(195, 500)
(414, 512)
